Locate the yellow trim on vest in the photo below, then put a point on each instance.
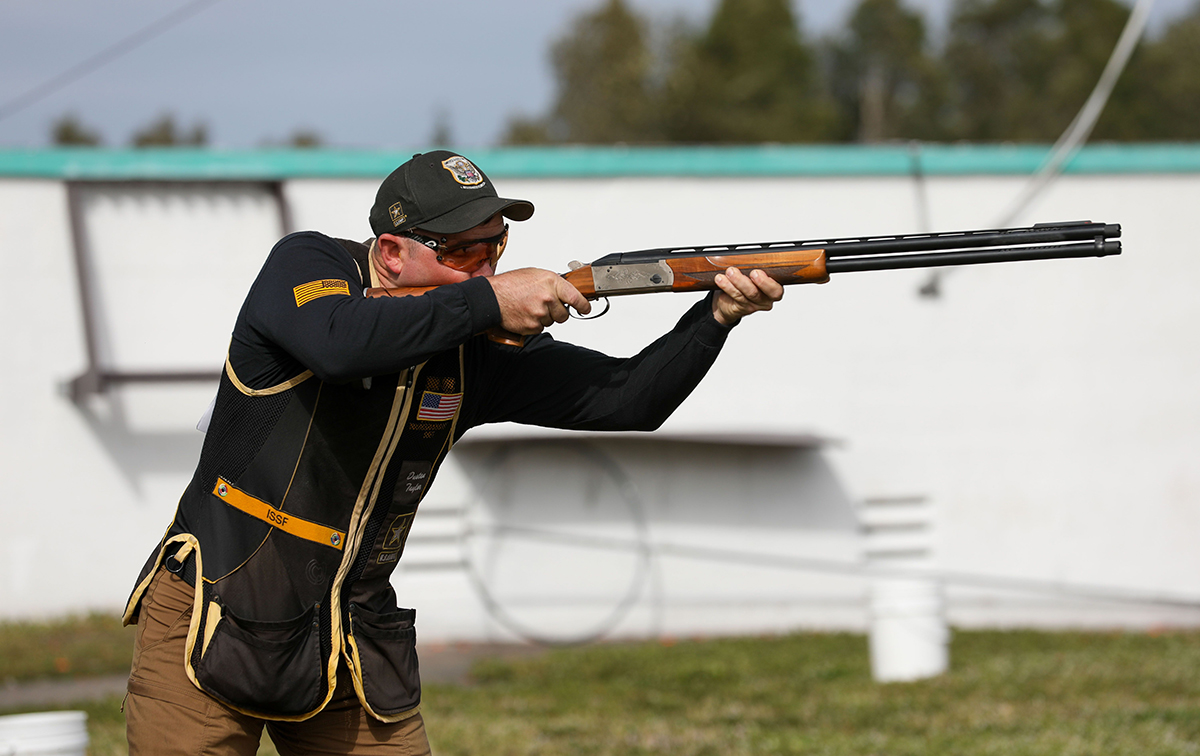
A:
(400, 420)
(462, 387)
(189, 544)
(356, 675)
(210, 626)
(365, 504)
(285, 521)
(276, 389)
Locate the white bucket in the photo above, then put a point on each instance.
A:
(51, 733)
(908, 638)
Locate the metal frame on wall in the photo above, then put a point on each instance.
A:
(98, 378)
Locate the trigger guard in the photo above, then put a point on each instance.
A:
(574, 314)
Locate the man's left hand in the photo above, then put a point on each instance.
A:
(741, 295)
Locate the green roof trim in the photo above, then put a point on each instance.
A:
(93, 164)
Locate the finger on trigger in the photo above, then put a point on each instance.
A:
(572, 297)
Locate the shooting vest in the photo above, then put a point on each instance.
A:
(291, 528)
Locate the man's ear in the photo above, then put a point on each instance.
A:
(391, 253)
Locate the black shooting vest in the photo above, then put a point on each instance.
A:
(291, 528)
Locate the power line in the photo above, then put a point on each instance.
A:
(102, 58)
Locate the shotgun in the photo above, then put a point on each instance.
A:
(813, 261)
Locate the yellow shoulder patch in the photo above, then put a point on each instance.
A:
(306, 293)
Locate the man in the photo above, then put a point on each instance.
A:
(268, 601)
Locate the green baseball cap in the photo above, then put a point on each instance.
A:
(441, 192)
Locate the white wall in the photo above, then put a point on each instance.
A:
(1047, 410)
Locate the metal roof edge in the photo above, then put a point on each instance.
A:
(932, 159)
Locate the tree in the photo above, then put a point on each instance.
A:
(70, 131)
(1088, 32)
(443, 135)
(885, 84)
(1011, 70)
(522, 130)
(603, 93)
(994, 51)
(748, 78)
(164, 133)
(1159, 96)
(305, 139)
(1021, 69)
(301, 139)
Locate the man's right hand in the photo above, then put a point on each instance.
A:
(531, 299)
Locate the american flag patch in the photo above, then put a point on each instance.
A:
(435, 406)
(306, 293)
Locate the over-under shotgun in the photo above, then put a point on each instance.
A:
(814, 260)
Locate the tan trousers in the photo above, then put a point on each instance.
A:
(165, 714)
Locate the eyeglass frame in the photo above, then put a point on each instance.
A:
(442, 249)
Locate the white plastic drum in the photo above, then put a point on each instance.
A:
(51, 733)
(908, 639)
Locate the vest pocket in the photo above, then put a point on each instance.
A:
(269, 667)
(386, 658)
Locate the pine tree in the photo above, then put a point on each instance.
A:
(748, 78)
(603, 71)
(885, 84)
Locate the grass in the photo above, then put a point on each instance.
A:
(92, 645)
(1007, 693)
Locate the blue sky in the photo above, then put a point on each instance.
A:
(361, 73)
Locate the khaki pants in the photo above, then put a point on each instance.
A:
(166, 714)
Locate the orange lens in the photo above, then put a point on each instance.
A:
(468, 259)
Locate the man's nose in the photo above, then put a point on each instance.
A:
(487, 269)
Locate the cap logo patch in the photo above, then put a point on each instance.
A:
(463, 171)
(398, 214)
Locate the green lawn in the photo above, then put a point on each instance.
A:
(92, 645)
(1007, 693)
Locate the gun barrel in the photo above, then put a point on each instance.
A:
(1098, 248)
(1078, 231)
